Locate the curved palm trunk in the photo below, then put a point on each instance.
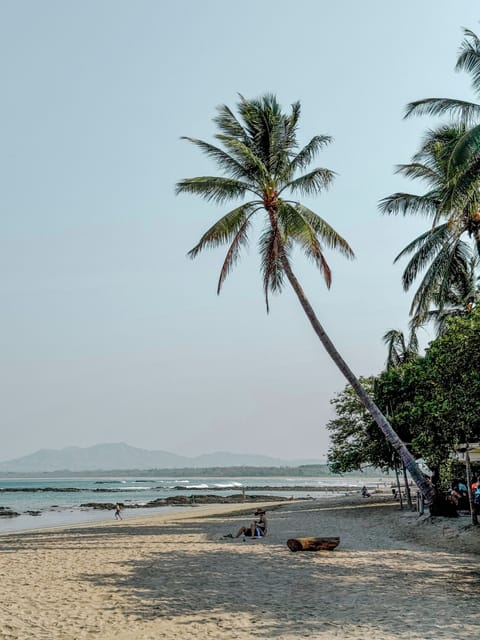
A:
(423, 484)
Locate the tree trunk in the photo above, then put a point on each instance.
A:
(313, 544)
(423, 484)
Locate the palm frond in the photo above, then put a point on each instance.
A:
(468, 145)
(297, 228)
(233, 254)
(442, 272)
(226, 162)
(460, 110)
(469, 57)
(225, 229)
(409, 203)
(311, 183)
(417, 171)
(463, 193)
(228, 123)
(213, 188)
(392, 338)
(309, 152)
(245, 155)
(271, 265)
(327, 233)
(426, 247)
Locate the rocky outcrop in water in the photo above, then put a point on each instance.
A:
(187, 501)
(39, 489)
(7, 513)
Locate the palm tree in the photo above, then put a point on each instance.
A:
(440, 251)
(400, 350)
(259, 156)
(464, 159)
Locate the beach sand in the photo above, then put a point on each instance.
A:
(394, 575)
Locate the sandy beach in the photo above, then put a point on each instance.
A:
(394, 575)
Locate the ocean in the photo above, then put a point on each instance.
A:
(53, 502)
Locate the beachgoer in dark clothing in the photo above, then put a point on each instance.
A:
(118, 515)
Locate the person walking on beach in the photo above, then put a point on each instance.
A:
(118, 515)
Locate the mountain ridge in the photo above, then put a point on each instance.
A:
(119, 455)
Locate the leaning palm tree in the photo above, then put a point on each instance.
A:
(259, 156)
(440, 251)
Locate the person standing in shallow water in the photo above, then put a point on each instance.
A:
(118, 515)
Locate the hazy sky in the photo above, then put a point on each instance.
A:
(109, 333)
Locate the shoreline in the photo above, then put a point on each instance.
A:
(395, 575)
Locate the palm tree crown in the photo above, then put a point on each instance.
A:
(440, 251)
(464, 158)
(259, 156)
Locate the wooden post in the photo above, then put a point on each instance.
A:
(468, 469)
(398, 483)
(407, 488)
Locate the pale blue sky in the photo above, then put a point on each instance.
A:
(109, 333)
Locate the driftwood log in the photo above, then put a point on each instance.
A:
(312, 544)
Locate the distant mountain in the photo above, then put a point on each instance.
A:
(102, 457)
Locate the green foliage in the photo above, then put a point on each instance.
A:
(433, 403)
(354, 436)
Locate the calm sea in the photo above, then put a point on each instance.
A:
(59, 500)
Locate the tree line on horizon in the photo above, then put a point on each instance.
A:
(258, 155)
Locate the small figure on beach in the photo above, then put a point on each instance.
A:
(257, 529)
(365, 493)
(118, 515)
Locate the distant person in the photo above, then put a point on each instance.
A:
(118, 515)
(365, 493)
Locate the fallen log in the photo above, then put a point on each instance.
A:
(313, 544)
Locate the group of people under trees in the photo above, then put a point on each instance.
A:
(459, 494)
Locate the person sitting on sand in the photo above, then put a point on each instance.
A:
(258, 528)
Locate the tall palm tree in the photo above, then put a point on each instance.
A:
(440, 251)
(464, 160)
(259, 156)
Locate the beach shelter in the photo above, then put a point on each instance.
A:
(473, 449)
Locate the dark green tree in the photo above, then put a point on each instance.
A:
(355, 441)
(259, 156)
